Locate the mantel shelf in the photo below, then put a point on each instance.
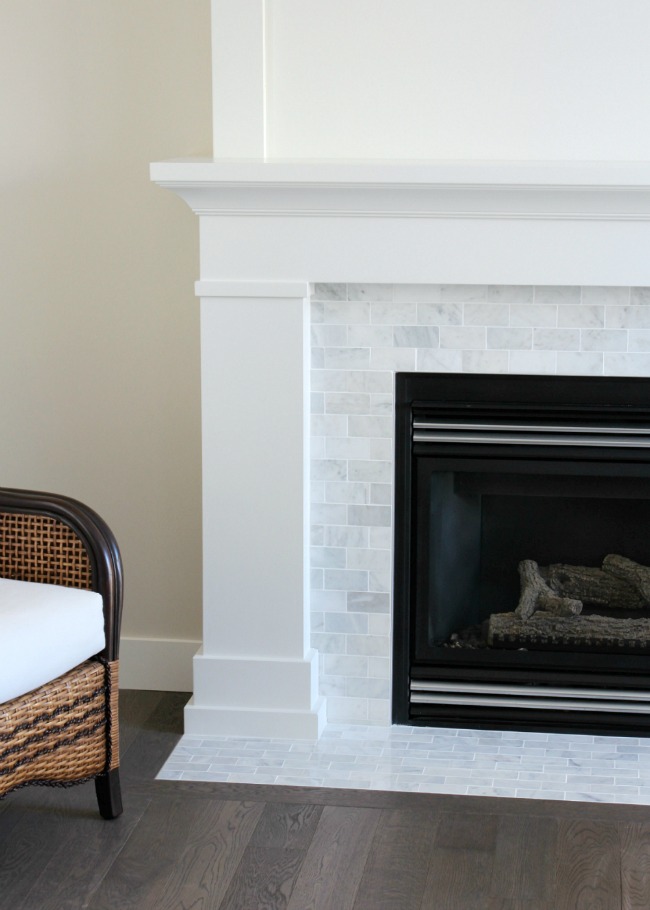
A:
(556, 174)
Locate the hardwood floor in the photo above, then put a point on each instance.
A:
(194, 846)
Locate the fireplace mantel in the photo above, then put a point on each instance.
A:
(267, 230)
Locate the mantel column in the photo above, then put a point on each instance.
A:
(255, 674)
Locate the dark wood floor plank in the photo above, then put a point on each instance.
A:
(42, 820)
(138, 877)
(155, 739)
(330, 875)
(135, 708)
(285, 825)
(461, 865)
(77, 863)
(588, 866)
(265, 879)
(524, 863)
(635, 866)
(272, 861)
(397, 867)
(216, 843)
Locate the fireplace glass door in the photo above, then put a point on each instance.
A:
(522, 551)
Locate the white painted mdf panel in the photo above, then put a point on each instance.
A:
(478, 79)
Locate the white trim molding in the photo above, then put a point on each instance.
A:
(412, 222)
(163, 664)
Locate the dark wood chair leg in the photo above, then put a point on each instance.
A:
(109, 794)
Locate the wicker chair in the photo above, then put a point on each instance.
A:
(66, 731)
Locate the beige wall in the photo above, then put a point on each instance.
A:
(99, 370)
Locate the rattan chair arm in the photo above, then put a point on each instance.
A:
(98, 541)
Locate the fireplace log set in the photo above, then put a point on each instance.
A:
(550, 608)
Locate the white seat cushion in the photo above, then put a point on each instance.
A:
(45, 630)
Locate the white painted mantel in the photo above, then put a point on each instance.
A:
(267, 230)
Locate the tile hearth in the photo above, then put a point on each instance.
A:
(608, 769)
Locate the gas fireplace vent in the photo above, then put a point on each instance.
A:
(529, 434)
(426, 692)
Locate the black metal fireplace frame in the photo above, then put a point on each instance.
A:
(601, 401)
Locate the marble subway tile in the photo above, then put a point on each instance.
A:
(369, 516)
(417, 293)
(354, 623)
(570, 363)
(381, 538)
(346, 358)
(329, 425)
(346, 447)
(348, 493)
(640, 296)
(381, 494)
(374, 560)
(533, 362)
(329, 514)
(346, 402)
(328, 557)
(344, 313)
(603, 340)
(463, 293)
(345, 580)
(556, 339)
(639, 341)
(510, 293)
(375, 381)
(463, 337)
(558, 294)
(329, 601)
(485, 361)
(581, 316)
(325, 336)
(393, 358)
(606, 296)
(346, 536)
(370, 471)
(510, 338)
(533, 315)
(370, 426)
(382, 403)
(368, 601)
(416, 336)
(370, 645)
(329, 291)
(627, 317)
(440, 314)
(329, 469)
(393, 313)
(381, 449)
(435, 361)
(345, 665)
(486, 314)
(374, 292)
(627, 365)
(368, 336)
(328, 380)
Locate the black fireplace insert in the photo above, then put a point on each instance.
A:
(522, 552)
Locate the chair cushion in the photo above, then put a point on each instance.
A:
(45, 630)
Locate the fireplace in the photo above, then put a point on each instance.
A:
(511, 483)
(531, 234)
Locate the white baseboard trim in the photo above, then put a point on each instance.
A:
(164, 664)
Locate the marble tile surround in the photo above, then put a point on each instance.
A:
(559, 766)
(362, 335)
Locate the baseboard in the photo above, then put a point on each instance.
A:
(164, 664)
